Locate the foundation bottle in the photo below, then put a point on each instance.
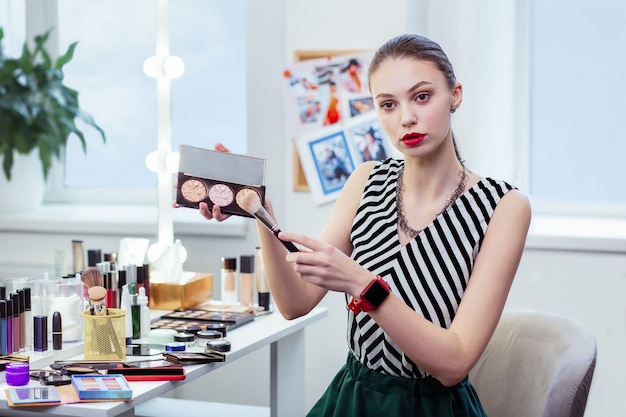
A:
(229, 281)
(246, 279)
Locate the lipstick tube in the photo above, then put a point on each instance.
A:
(16, 322)
(3, 327)
(28, 318)
(57, 331)
(9, 339)
(22, 296)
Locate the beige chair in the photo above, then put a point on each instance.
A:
(537, 364)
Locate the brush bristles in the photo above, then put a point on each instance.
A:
(248, 200)
(92, 277)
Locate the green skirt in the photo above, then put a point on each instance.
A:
(357, 391)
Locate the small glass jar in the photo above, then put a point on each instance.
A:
(204, 336)
(187, 338)
(220, 327)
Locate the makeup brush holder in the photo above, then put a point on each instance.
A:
(105, 336)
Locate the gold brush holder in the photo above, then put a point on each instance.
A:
(105, 336)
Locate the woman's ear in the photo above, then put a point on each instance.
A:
(457, 97)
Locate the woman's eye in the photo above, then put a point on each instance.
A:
(387, 105)
(421, 97)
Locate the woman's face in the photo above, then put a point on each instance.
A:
(413, 102)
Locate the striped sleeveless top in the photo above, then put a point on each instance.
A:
(430, 273)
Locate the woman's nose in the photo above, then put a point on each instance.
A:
(408, 117)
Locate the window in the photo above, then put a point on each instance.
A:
(577, 138)
(114, 38)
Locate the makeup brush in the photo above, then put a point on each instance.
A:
(250, 201)
(92, 277)
(97, 297)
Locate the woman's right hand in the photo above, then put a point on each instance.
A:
(216, 212)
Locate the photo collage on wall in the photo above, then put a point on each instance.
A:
(330, 116)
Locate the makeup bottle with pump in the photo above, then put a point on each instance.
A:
(144, 313)
(3, 327)
(229, 281)
(246, 279)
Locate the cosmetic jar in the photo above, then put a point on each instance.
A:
(220, 327)
(161, 336)
(17, 373)
(187, 338)
(206, 335)
(192, 328)
(219, 345)
(175, 347)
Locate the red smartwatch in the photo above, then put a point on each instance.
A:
(372, 296)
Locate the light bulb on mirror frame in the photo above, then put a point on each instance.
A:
(173, 66)
(151, 67)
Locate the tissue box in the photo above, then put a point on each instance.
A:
(181, 296)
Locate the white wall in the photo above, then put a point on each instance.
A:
(582, 283)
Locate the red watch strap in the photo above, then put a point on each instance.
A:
(363, 304)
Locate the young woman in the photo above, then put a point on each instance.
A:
(424, 249)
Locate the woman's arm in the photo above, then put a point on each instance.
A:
(449, 354)
(294, 296)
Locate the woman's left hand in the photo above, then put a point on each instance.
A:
(326, 266)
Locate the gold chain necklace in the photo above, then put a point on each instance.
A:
(402, 223)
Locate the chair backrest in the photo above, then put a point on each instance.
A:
(537, 364)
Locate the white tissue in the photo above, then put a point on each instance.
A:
(132, 251)
(166, 263)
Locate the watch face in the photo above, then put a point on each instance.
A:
(376, 293)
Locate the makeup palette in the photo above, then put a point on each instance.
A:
(216, 177)
(178, 320)
(99, 387)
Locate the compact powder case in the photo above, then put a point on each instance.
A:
(216, 178)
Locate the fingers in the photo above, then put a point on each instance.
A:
(214, 213)
(303, 240)
(221, 148)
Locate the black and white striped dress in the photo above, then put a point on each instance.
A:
(430, 273)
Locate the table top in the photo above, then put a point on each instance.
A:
(264, 330)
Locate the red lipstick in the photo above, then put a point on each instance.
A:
(413, 139)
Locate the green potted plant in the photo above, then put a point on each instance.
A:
(38, 112)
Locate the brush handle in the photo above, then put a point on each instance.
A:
(289, 245)
(264, 217)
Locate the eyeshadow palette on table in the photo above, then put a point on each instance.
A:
(203, 315)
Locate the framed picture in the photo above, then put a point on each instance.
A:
(368, 140)
(327, 161)
(323, 88)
